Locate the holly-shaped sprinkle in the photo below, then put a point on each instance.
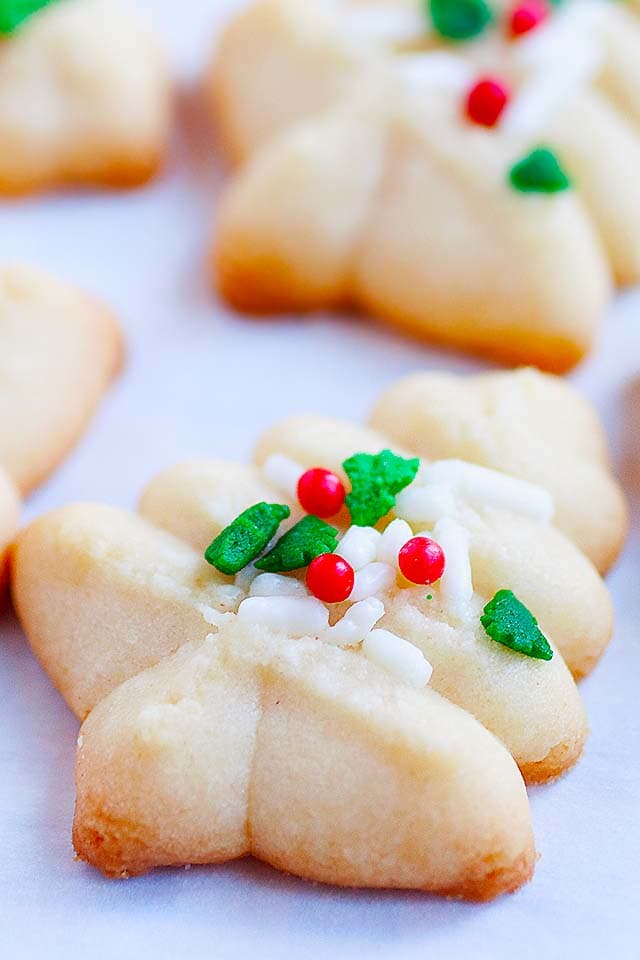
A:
(14, 12)
(459, 19)
(507, 621)
(527, 15)
(421, 560)
(330, 578)
(321, 492)
(309, 538)
(539, 172)
(486, 101)
(376, 479)
(245, 539)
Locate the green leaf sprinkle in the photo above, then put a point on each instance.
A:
(539, 172)
(459, 19)
(376, 479)
(507, 621)
(245, 539)
(309, 538)
(14, 12)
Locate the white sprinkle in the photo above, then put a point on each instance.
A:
(456, 585)
(372, 580)
(543, 95)
(436, 71)
(295, 616)
(80, 741)
(567, 38)
(276, 585)
(357, 622)
(531, 108)
(283, 473)
(358, 546)
(245, 577)
(494, 488)
(398, 656)
(212, 616)
(392, 24)
(425, 504)
(564, 55)
(392, 541)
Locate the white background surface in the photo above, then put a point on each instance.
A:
(199, 381)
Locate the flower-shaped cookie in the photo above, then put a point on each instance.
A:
(58, 352)
(315, 692)
(480, 191)
(84, 95)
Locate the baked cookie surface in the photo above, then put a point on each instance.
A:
(236, 704)
(529, 424)
(59, 350)
(374, 173)
(84, 96)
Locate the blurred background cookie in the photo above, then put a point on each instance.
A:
(59, 350)
(449, 167)
(85, 95)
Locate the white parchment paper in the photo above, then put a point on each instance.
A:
(200, 382)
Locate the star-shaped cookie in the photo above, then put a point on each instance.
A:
(480, 191)
(231, 710)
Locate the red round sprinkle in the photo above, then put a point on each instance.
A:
(527, 15)
(330, 578)
(321, 492)
(421, 560)
(486, 101)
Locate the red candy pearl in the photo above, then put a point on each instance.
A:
(527, 16)
(486, 101)
(330, 578)
(321, 492)
(421, 560)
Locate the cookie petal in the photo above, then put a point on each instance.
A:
(84, 98)
(102, 594)
(196, 500)
(302, 258)
(310, 758)
(530, 425)
(601, 149)
(60, 350)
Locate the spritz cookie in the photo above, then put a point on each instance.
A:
(299, 659)
(84, 95)
(465, 170)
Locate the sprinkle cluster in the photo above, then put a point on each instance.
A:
(365, 563)
(376, 480)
